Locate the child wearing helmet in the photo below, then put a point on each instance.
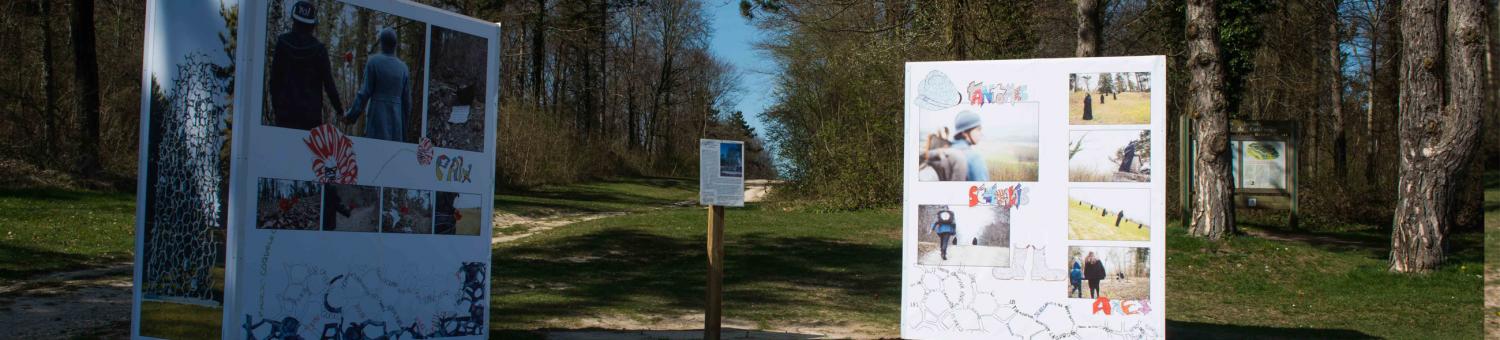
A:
(969, 134)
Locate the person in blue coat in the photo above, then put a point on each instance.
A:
(969, 134)
(1075, 280)
(385, 94)
(945, 228)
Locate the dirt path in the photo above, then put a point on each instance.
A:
(967, 255)
(533, 226)
(68, 304)
(756, 190)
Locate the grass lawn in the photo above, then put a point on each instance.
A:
(634, 194)
(780, 267)
(43, 231)
(1129, 108)
(1010, 162)
(793, 267)
(1086, 224)
(1252, 286)
(165, 320)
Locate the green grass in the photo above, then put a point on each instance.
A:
(780, 266)
(1251, 286)
(43, 231)
(617, 195)
(795, 266)
(1010, 162)
(165, 320)
(1130, 108)
(1086, 224)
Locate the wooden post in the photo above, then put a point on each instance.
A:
(715, 272)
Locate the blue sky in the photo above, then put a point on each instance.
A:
(734, 41)
(181, 30)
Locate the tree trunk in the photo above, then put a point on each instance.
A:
(1335, 122)
(1437, 140)
(86, 76)
(1213, 216)
(539, 52)
(1090, 28)
(957, 31)
(52, 129)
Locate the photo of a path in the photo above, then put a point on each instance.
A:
(976, 236)
(351, 208)
(1121, 273)
(1109, 98)
(1109, 214)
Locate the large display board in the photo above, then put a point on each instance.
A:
(1034, 202)
(360, 187)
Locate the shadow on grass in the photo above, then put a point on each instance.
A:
(725, 333)
(19, 262)
(624, 270)
(1199, 330)
(1373, 243)
(582, 198)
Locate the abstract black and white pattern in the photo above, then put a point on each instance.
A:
(184, 223)
(359, 305)
(953, 301)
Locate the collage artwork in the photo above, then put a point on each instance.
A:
(1031, 209)
(349, 201)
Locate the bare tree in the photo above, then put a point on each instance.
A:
(51, 131)
(86, 75)
(1213, 216)
(1438, 137)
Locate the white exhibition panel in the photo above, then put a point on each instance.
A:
(1010, 277)
(379, 283)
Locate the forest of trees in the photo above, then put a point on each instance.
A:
(1373, 122)
(598, 88)
(588, 88)
(1331, 65)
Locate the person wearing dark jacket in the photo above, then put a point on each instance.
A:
(333, 205)
(945, 227)
(1093, 271)
(1088, 106)
(300, 74)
